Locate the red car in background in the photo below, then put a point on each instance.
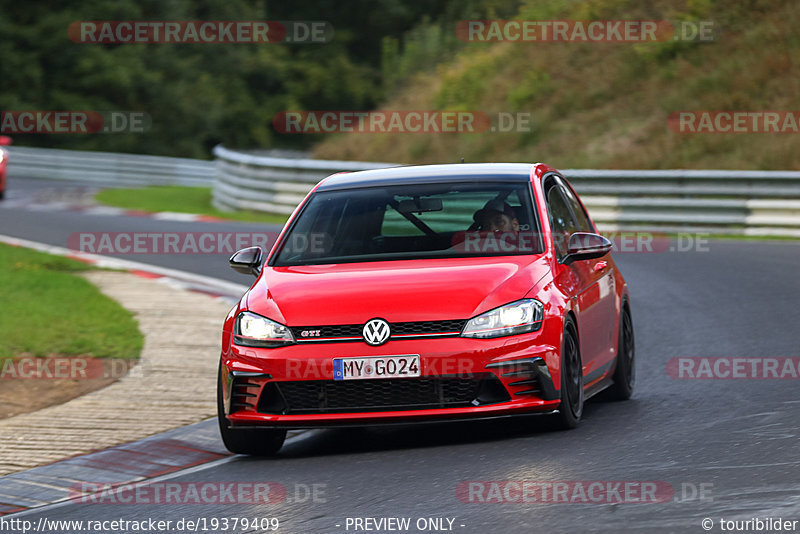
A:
(4, 141)
(425, 293)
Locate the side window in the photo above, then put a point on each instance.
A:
(561, 219)
(584, 224)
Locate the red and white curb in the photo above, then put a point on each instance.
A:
(151, 460)
(174, 453)
(171, 277)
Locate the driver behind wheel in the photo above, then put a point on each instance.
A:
(496, 216)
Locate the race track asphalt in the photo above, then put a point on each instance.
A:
(725, 449)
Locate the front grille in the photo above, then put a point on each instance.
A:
(427, 327)
(417, 328)
(338, 396)
(340, 330)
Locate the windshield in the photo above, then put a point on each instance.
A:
(412, 221)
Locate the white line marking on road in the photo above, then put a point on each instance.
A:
(175, 216)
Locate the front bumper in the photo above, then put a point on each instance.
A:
(512, 375)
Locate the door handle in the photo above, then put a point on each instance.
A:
(600, 266)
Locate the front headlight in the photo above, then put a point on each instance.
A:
(515, 318)
(252, 330)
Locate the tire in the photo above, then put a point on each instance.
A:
(2, 195)
(255, 442)
(625, 373)
(572, 395)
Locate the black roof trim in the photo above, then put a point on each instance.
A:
(428, 174)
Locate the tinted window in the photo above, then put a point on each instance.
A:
(584, 224)
(561, 219)
(410, 222)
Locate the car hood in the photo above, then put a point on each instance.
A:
(398, 291)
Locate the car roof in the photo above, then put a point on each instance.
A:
(415, 174)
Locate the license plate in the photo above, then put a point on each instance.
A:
(376, 367)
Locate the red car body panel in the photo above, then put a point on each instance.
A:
(4, 141)
(591, 291)
(470, 286)
(3, 170)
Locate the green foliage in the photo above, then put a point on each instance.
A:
(465, 88)
(534, 84)
(603, 104)
(423, 48)
(434, 40)
(197, 95)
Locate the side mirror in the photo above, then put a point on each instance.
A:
(247, 261)
(5, 140)
(586, 246)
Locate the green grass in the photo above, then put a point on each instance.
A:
(47, 309)
(180, 199)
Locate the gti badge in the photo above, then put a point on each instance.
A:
(376, 332)
(309, 333)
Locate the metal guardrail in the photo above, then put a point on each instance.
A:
(270, 184)
(713, 201)
(758, 203)
(108, 168)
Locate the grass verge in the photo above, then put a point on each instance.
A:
(180, 199)
(48, 309)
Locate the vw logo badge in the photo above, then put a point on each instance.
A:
(376, 332)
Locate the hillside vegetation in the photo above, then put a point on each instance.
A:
(593, 104)
(195, 94)
(600, 105)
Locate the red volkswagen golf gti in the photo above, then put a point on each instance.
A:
(425, 293)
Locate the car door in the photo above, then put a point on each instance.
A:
(602, 274)
(589, 283)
